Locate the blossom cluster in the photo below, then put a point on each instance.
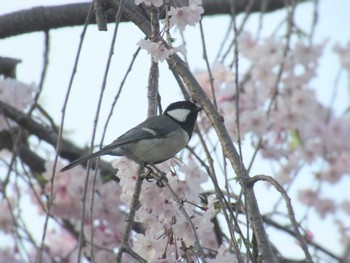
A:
(6, 215)
(16, 94)
(168, 232)
(282, 112)
(106, 220)
(179, 17)
(344, 56)
(167, 235)
(187, 15)
(159, 51)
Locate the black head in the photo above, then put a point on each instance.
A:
(184, 113)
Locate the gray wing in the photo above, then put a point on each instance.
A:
(149, 129)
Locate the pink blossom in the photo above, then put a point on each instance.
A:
(344, 231)
(223, 79)
(344, 55)
(9, 255)
(284, 175)
(340, 163)
(127, 172)
(16, 94)
(61, 245)
(107, 203)
(151, 245)
(325, 206)
(345, 205)
(331, 175)
(183, 231)
(7, 223)
(158, 51)
(307, 55)
(308, 197)
(105, 235)
(252, 50)
(228, 110)
(223, 256)
(186, 15)
(194, 175)
(246, 44)
(106, 256)
(254, 121)
(68, 190)
(335, 135)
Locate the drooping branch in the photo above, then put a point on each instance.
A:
(68, 150)
(30, 158)
(44, 18)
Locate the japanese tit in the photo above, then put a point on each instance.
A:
(155, 140)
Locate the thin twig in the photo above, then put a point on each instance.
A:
(317, 246)
(134, 205)
(43, 72)
(60, 134)
(291, 214)
(290, 26)
(205, 57)
(162, 177)
(247, 10)
(229, 217)
(97, 116)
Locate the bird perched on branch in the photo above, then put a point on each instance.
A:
(155, 140)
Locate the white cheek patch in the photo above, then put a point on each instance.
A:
(179, 114)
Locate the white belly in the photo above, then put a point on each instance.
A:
(158, 150)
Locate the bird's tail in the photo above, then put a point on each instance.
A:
(103, 151)
(81, 160)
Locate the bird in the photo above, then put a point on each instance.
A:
(155, 140)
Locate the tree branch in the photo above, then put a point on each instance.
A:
(291, 232)
(68, 149)
(34, 161)
(291, 215)
(8, 67)
(44, 18)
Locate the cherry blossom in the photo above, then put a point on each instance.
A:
(150, 245)
(7, 224)
(186, 15)
(344, 55)
(308, 197)
(345, 205)
(158, 50)
(10, 256)
(167, 228)
(16, 94)
(223, 256)
(325, 206)
(68, 190)
(61, 245)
